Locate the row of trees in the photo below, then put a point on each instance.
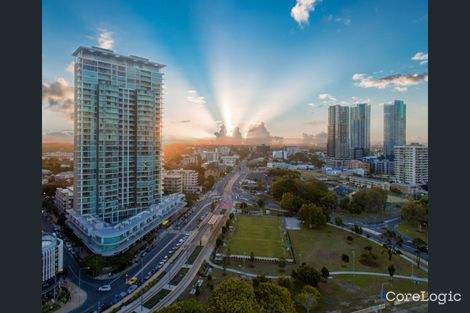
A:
(263, 295)
(416, 211)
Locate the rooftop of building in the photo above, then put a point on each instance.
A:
(111, 53)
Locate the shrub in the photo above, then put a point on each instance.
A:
(345, 258)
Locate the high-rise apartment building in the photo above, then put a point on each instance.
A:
(118, 152)
(394, 126)
(52, 261)
(338, 145)
(360, 130)
(411, 164)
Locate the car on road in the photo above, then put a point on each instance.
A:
(132, 281)
(149, 274)
(131, 289)
(104, 288)
(116, 299)
(143, 254)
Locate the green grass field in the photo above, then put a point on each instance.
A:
(262, 235)
(412, 231)
(324, 247)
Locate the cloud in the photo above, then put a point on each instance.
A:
(421, 56)
(400, 89)
(326, 96)
(315, 122)
(58, 97)
(181, 122)
(398, 81)
(301, 11)
(343, 20)
(105, 39)
(257, 130)
(70, 68)
(195, 98)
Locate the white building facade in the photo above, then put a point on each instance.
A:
(411, 164)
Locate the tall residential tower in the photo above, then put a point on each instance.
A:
(338, 145)
(118, 151)
(360, 130)
(394, 126)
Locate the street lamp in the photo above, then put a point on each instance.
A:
(79, 281)
(354, 261)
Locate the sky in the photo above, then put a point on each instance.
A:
(246, 62)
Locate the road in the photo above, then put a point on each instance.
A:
(166, 241)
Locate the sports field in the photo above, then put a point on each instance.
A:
(262, 235)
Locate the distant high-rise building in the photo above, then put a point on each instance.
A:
(411, 164)
(360, 130)
(338, 145)
(118, 150)
(394, 126)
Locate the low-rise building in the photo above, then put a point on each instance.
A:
(172, 183)
(407, 189)
(224, 150)
(52, 261)
(190, 159)
(363, 182)
(356, 164)
(230, 160)
(64, 176)
(108, 240)
(280, 154)
(189, 180)
(64, 199)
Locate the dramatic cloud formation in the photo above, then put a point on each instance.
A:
(222, 133)
(193, 97)
(301, 11)
(58, 97)
(398, 81)
(236, 134)
(105, 39)
(420, 56)
(257, 131)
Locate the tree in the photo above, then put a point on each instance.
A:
(285, 282)
(329, 203)
(243, 205)
(312, 215)
(258, 280)
(233, 296)
(260, 202)
(391, 270)
(219, 241)
(252, 257)
(421, 247)
(416, 211)
(308, 297)
(344, 203)
(306, 275)
(339, 221)
(370, 200)
(291, 202)
(357, 229)
(325, 273)
(282, 263)
(274, 298)
(345, 258)
(189, 306)
(209, 182)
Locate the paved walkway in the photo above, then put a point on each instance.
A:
(421, 279)
(77, 298)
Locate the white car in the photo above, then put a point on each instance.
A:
(105, 288)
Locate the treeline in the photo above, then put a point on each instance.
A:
(365, 200)
(309, 200)
(262, 295)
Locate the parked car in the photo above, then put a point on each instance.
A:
(149, 274)
(104, 288)
(131, 289)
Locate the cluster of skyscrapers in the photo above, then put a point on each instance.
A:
(349, 138)
(118, 150)
(348, 131)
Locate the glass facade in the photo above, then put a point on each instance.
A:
(394, 126)
(118, 148)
